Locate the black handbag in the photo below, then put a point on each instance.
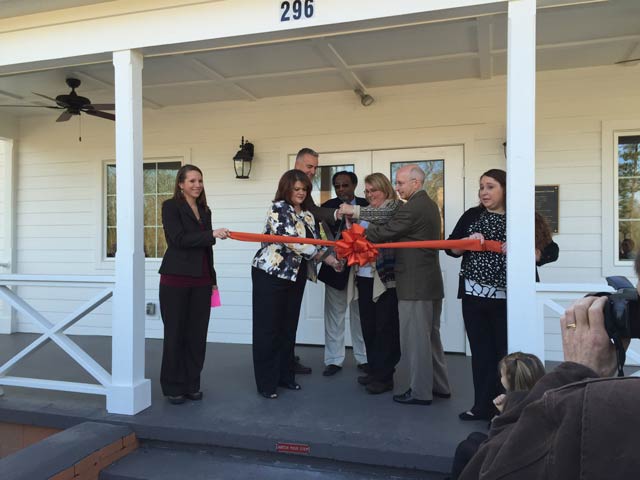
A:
(329, 276)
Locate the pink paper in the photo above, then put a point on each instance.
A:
(215, 298)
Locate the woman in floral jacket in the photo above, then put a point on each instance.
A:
(279, 273)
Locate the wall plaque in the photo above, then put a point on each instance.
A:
(547, 204)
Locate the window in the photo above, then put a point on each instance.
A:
(159, 180)
(628, 196)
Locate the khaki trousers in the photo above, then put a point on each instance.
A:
(422, 366)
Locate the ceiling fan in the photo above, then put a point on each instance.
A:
(631, 60)
(73, 104)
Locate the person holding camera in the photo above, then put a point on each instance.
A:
(578, 421)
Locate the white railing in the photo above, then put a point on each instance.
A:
(549, 294)
(54, 331)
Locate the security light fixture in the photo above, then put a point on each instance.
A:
(242, 159)
(365, 98)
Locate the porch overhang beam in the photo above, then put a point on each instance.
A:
(22, 37)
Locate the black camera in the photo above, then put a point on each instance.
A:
(621, 312)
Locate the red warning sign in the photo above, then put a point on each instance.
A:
(297, 448)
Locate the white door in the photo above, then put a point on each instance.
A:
(445, 183)
(311, 326)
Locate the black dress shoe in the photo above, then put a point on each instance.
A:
(194, 396)
(407, 399)
(376, 387)
(290, 385)
(365, 379)
(331, 369)
(441, 395)
(300, 369)
(176, 399)
(269, 395)
(470, 416)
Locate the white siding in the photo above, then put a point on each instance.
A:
(3, 254)
(59, 179)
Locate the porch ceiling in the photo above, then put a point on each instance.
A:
(568, 37)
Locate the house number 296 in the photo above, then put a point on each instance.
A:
(296, 10)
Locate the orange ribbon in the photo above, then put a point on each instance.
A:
(355, 248)
(358, 250)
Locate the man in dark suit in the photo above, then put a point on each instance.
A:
(420, 292)
(335, 293)
(307, 162)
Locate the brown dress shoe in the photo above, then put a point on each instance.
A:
(376, 387)
(300, 369)
(176, 399)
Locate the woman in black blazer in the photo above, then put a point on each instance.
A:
(187, 277)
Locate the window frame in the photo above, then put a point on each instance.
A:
(611, 131)
(105, 262)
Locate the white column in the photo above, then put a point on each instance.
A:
(130, 392)
(526, 332)
(8, 252)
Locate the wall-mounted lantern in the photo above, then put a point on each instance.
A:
(242, 159)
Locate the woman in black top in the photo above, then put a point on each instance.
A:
(483, 290)
(186, 280)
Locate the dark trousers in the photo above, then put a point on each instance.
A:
(380, 329)
(185, 314)
(486, 323)
(465, 452)
(276, 309)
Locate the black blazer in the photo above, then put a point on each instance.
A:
(185, 240)
(328, 275)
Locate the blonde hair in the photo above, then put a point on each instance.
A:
(380, 182)
(522, 370)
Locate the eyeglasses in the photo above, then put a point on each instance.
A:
(371, 190)
(342, 185)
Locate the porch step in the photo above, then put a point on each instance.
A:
(163, 461)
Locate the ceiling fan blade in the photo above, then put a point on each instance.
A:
(98, 113)
(44, 96)
(64, 117)
(102, 106)
(628, 61)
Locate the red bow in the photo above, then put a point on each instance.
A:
(355, 248)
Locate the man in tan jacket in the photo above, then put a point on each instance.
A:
(422, 372)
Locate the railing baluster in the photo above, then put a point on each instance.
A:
(55, 332)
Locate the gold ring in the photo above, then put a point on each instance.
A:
(570, 325)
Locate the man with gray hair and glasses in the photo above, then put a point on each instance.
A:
(422, 372)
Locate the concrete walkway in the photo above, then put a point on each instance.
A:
(333, 416)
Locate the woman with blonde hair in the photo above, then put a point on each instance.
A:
(377, 297)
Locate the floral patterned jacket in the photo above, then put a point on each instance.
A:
(283, 259)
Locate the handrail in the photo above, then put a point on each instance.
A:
(573, 287)
(549, 292)
(55, 280)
